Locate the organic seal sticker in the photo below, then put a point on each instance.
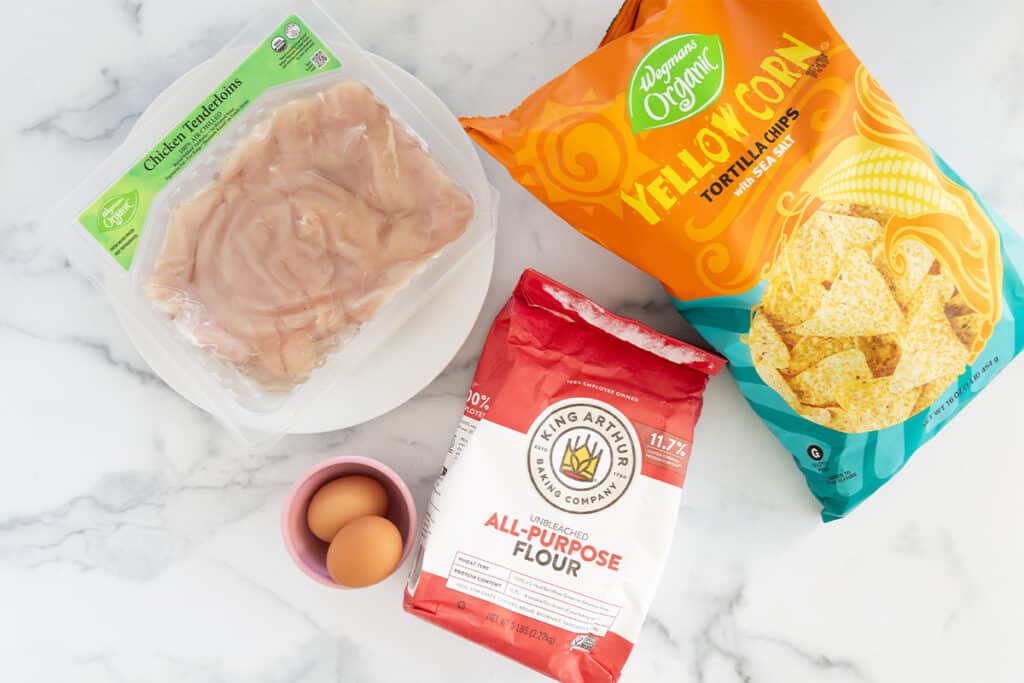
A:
(582, 455)
(118, 211)
(677, 79)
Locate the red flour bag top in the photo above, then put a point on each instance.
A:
(551, 520)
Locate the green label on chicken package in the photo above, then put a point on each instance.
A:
(290, 53)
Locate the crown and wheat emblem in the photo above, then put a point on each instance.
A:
(580, 460)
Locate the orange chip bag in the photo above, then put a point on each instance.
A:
(739, 151)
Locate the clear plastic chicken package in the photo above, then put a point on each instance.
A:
(274, 225)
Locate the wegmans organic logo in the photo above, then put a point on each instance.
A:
(118, 211)
(582, 455)
(677, 79)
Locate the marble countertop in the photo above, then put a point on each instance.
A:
(139, 543)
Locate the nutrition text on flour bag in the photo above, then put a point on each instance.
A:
(554, 511)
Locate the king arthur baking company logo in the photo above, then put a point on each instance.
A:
(678, 78)
(582, 455)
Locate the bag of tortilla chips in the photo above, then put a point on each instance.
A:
(738, 151)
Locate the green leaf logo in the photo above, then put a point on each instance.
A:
(677, 79)
(118, 211)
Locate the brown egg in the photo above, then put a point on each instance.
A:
(365, 551)
(338, 502)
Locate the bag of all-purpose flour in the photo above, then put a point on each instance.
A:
(553, 515)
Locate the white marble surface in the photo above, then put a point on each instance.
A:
(137, 543)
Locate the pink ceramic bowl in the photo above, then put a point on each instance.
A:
(308, 551)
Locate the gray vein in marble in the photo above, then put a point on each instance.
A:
(403, 32)
(271, 595)
(132, 10)
(706, 643)
(14, 247)
(911, 542)
(25, 256)
(535, 237)
(104, 661)
(58, 122)
(957, 567)
(28, 249)
(956, 564)
(99, 348)
(820, 662)
(130, 502)
(662, 630)
(658, 305)
(559, 28)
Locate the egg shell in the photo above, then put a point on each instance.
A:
(364, 551)
(339, 502)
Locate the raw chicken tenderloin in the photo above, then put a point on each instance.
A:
(316, 219)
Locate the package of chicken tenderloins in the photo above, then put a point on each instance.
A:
(275, 217)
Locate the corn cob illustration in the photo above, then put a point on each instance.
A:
(890, 180)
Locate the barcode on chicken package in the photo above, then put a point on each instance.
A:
(319, 59)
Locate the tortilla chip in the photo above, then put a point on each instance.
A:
(810, 350)
(948, 285)
(967, 328)
(819, 384)
(850, 232)
(787, 308)
(931, 392)
(766, 346)
(860, 210)
(933, 293)
(915, 259)
(815, 414)
(808, 257)
(776, 381)
(791, 339)
(931, 349)
(882, 353)
(957, 306)
(871, 404)
(817, 249)
(842, 421)
(858, 304)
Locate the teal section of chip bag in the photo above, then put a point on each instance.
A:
(842, 470)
